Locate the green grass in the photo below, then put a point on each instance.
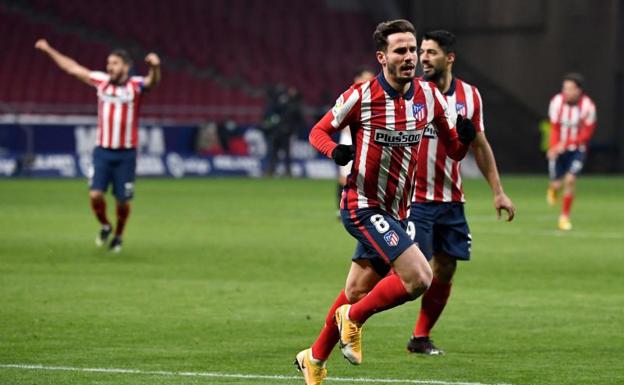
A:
(235, 276)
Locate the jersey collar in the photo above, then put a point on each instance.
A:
(391, 91)
(451, 89)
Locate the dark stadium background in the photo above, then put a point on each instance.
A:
(220, 58)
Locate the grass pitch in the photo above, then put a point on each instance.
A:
(234, 276)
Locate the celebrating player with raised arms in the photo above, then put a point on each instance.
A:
(114, 157)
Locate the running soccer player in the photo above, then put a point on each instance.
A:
(573, 120)
(388, 116)
(114, 157)
(437, 210)
(362, 75)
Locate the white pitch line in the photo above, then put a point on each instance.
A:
(233, 375)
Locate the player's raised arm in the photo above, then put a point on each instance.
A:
(153, 75)
(65, 63)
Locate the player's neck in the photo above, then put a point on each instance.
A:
(444, 82)
(399, 87)
(122, 80)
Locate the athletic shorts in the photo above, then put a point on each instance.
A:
(381, 238)
(568, 162)
(441, 227)
(116, 167)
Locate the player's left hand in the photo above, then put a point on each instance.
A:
(152, 60)
(502, 202)
(465, 130)
(343, 154)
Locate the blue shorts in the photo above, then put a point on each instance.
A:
(116, 167)
(441, 227)
(568, 162)
(381, 238)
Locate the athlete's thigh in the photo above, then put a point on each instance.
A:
(421, 221)
(413, 268)
(577, 160)
(124, 175)
(101, 170)
(368, 256)
(452, 234)
(378, 231)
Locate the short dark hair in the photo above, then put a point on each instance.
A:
(359, 70)
(575, 77)
(445, 39)
(123, 54)
(387, 28)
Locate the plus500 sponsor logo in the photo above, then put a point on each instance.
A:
(397, 138)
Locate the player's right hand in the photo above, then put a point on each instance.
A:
(465, 130)
(343, 154)
(555, 151)
(42, 45)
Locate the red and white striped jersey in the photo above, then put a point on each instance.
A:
(571, 123)
(438, 177)
(387, 128)
(118, 111)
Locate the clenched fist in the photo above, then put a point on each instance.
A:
(42, 44)
(152, 60)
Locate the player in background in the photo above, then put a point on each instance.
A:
(114, 157)
(362, 74)
(573, 120)
(437, 211)
(387, 116)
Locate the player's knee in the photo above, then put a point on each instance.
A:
(355, 293)
(96, 194)
(419, 281)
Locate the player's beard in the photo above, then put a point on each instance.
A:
(434, 76)
(118, 78)
(395, 71)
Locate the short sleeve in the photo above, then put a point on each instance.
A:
(138, 82)
(97, 77)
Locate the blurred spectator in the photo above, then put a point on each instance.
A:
(208, 141)
(283, 118)
(226, 131)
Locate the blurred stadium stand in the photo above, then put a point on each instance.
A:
(218, 56)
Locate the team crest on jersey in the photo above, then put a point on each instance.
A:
(461, 109)
(391, 238)
(419, 111)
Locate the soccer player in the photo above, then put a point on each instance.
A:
(437, 211)
(573, 120)
(388, 116)
(363, 74)
(114, 157)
